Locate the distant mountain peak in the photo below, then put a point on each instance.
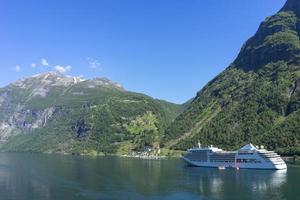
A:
(44, 81)
(292, 5)
(49, 73)
(48, 79)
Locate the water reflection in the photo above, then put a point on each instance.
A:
(15, 182)
(47, 177)
(261, 183)
(253, 184)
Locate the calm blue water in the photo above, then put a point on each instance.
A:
(45, 177)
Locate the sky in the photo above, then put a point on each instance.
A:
(168, 49)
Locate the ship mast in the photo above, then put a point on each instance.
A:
(199, 145)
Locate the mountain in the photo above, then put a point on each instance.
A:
(51, 112)
(256, 99)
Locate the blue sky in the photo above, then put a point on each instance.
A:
(168, 49)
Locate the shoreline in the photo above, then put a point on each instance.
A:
(145, 157)
(291, 160)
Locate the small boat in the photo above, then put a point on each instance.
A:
(221, 167)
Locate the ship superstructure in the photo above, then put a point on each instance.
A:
(249, 157)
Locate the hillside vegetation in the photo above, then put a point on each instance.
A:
(256, 99)
(53, 113)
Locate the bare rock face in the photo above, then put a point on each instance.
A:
(103, 82)
(25, 121)
(6, 131)
(294, 95)
(80, 129)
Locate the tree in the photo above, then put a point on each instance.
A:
(144, 128)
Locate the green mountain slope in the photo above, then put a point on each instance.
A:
(256, 99)
(54, 113)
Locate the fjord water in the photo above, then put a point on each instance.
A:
(39, 176)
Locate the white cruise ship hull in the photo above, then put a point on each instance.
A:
(248, 157)
(235, 166)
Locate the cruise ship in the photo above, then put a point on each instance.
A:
(248, 157)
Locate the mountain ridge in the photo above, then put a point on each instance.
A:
(51, 112)
(53, 78)
(254, 100)
(257, 97)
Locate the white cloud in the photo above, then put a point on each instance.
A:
(33, 65)
(62, 69)
(18, 68)
(44, 62)
(93, 63)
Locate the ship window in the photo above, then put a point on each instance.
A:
(247, 161)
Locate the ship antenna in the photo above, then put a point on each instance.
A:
(199, 145)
